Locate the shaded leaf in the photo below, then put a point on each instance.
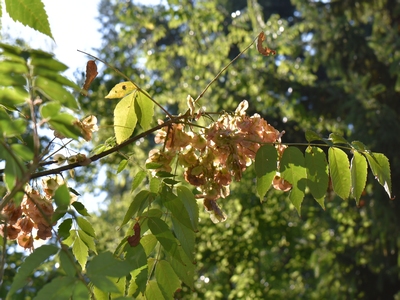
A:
(153, 291)
(175, 206)
(292, 169)
(184, 271)
(317, 173)
(62, 197)
(163, 234)
(358, 175)
(185, 236)
(190, 203)
(29, 265)
(67, 263)
(144, 110)
(265, 166)
(60, 288)
(312, 136)
(80, 208)
(135, 205)
(338, 139)
(340, 172)
(137, 180)
(167, 279)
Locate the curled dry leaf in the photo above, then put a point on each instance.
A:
(264, 51)
(91, 73)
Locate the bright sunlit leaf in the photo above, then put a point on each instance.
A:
(125, 118)
(339, 168)
(121, 90)
(358, 175)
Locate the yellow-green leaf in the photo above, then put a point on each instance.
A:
(121, 90)
(339, 168)
(358, 175)
(125, 118)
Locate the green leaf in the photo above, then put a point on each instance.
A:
(137, 202)
(175, 206)
(80, 291)
(184, 271)
(30, 13)
(292, 168)
(358, 175)
(185, 236)
(163, 234)
(64, 124)
(340, 172)
(317, 173)
(86, 226)
(14, 169)
(144, 110)
(80, 251)
(137, 180)
(70, 239)
(167, 279)
(61, 288)
(125, 118)
(22, 151)
(62, 197)
(121, 90)
(153, 291)
(13, 96)
(31, 262)
(137, 258)
(14, 67)
(55, 91)
(338, 139)
(380, 167)
(190, 203)
(360, 147)
(87, 239)
(149, 242)
(41, 59)
(312, 136)
(64, 228)
(80, 208)
(154, 184)
(106, 265)
(67, 263)
(50, 109)
(122, 165)
(265, 166)
(55, 76)
(12, 128)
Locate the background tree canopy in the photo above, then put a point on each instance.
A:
(336, 70)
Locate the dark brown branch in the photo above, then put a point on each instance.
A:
(105, 153)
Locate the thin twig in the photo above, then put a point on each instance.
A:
(223, 70)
